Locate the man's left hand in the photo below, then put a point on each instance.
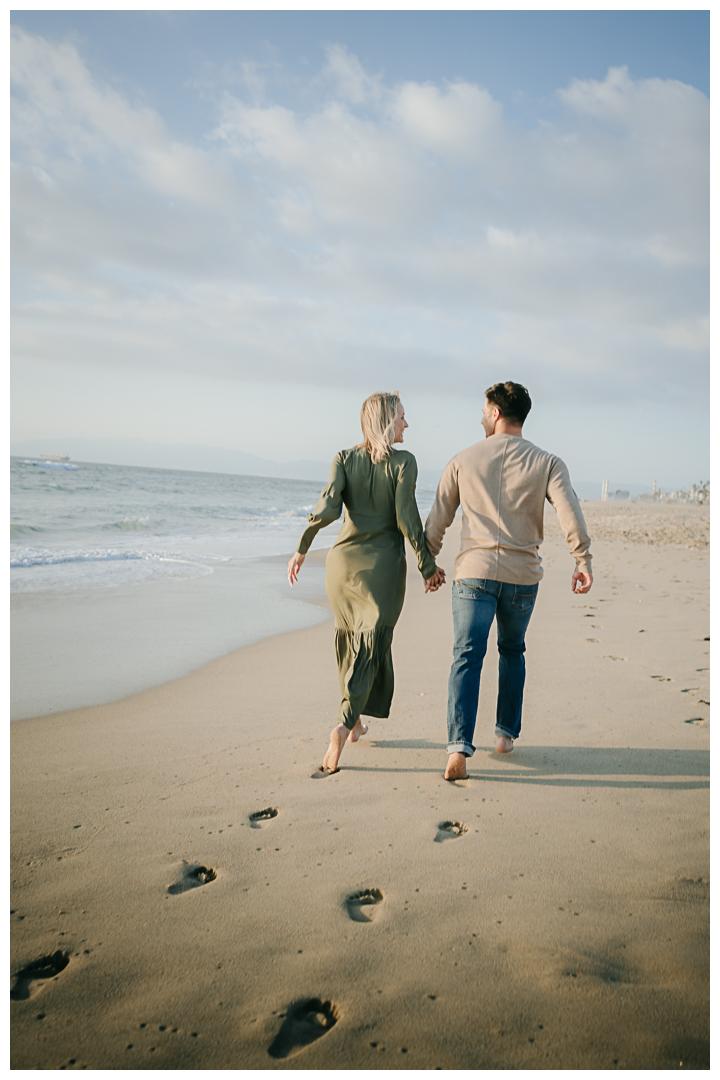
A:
(432, 584)
(581, 581)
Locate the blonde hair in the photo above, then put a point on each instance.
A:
(378, 417)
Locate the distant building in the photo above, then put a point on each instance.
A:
(698, 493)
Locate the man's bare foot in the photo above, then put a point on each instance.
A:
(357, 731)
(503, 745)
(456, 767)
(338, 738)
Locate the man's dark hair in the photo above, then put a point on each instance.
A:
(511, 399)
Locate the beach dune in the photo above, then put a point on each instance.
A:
(184, 895)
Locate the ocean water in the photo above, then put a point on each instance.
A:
(123, 578)
(100, 526)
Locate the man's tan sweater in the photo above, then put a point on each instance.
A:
(502, 484)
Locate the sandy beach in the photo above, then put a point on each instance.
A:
(552, 911)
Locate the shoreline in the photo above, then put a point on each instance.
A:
(566, 927)
(90, 647)
(43, 634)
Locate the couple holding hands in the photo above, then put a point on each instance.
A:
(501, 484)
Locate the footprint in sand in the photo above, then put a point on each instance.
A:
(304, 1023)
(698, 721)
(689, 890)
(260, 816)
(595, 968)
(662, 678)
(28, 982)
(363, 906)
(192, 876)
(450, 830)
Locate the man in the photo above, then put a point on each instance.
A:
(501, 484)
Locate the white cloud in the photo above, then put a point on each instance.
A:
(460, 124)
(652, 105)
(354, 171)
(59, 112)
(382, 233)
(345, 72)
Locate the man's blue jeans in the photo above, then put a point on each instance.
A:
(476, 602)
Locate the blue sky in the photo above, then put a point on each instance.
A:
(230, 227)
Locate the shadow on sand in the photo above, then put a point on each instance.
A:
(573, 766)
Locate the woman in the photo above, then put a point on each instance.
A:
(366, 568)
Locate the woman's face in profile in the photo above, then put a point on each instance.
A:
(400, 424)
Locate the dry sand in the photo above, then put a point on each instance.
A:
(561, 922)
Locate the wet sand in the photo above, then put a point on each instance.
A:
(552, 911)
(70, 649)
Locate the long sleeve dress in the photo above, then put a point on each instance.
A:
(366, 569)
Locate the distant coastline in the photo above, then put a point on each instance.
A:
(186, 457)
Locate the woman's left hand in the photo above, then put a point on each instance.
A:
(294, 566)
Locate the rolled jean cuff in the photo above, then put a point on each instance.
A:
(501, 733)
(461, 748)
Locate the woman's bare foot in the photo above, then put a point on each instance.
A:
(338, 738)
(503, 745)
(456, 769)
(357, 731)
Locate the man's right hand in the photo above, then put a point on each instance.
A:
(581, 581)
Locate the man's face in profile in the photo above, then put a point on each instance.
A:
(489, 418)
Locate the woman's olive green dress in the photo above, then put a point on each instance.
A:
(366, 569)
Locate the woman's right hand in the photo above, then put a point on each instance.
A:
(294, 566)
